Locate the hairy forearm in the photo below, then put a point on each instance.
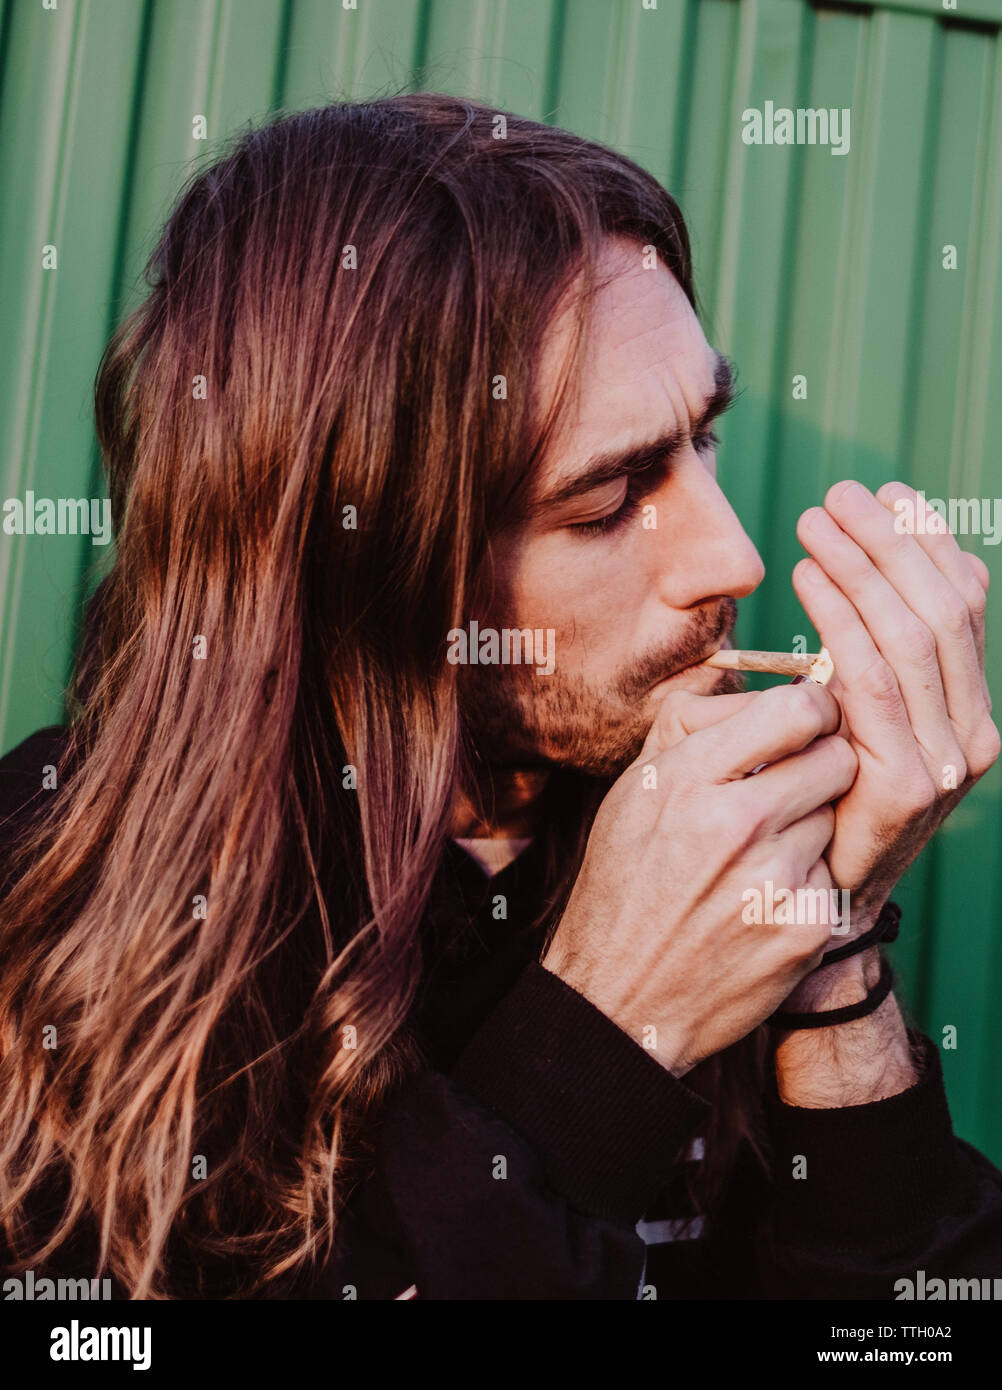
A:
(852, 1063)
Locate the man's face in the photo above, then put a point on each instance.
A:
(636, 574)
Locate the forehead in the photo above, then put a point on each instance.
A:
(646, 366)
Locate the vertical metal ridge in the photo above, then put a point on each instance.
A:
(97, 480)
(678, 151)
(421, 44)
(972, 400)
(6, 26)
(780, 370)
(918, 298)
(212, 80)
(918, 946)
(849, 316)
(983, 284)
(37, 312)
(282, 57)
(742, 62)
(551, 92)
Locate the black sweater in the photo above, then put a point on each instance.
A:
(541, 1152)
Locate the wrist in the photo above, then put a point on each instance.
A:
(849, 1063)
(662, 1043)
(860, 919)
(834, 986)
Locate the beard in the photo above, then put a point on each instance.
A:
(518, 718)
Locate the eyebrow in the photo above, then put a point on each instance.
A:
(609, 467)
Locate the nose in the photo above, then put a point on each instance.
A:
(708, 552)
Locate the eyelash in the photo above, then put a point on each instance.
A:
(636, 489)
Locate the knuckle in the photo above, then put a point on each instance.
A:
(977, 600)
(751, 818)
(959, 763)
(918, 794)
(878, 682)
(920, 642)
(724, 823)
(901, 540)
(846, 774)
(845, 754)
(956, 616)
(985, 750)
(803, 708)
(673, 702)
(782, 868)
(993, 741)
(668, 726)
(839, 758)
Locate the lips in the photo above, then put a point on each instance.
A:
(691, 666)
(700, 659)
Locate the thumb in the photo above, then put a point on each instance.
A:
(838, 690)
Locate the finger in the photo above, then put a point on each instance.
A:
(902, 639)
(683, 712)
(967, 573)
(871, 697)
(806, 840)
(838, 690)
(942, 633)
(775, 722)
(820, 877)
(791, 788)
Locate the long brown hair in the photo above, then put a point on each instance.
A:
(306, 463)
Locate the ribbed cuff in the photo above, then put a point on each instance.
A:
(606, 1119)
(872, 1171)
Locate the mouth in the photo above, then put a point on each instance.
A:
(693, 665)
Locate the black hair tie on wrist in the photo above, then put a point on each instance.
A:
(884, 929)
(829, 1017)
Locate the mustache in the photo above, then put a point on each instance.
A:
(709, 629)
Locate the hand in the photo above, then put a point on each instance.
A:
(903, 617)
(653, 932)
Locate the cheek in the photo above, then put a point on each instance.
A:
(589, 596)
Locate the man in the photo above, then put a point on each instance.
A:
(437, 961)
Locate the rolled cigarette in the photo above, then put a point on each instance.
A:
(817, 666)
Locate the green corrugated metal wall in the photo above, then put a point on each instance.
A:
(830, 267)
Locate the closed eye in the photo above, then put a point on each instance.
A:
(640, 484)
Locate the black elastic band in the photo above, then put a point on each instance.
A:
(829, 1017)
(884, 929)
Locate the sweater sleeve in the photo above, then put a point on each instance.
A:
(523, 1172)
(866, 1196)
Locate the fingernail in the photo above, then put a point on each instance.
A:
(854, 500)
